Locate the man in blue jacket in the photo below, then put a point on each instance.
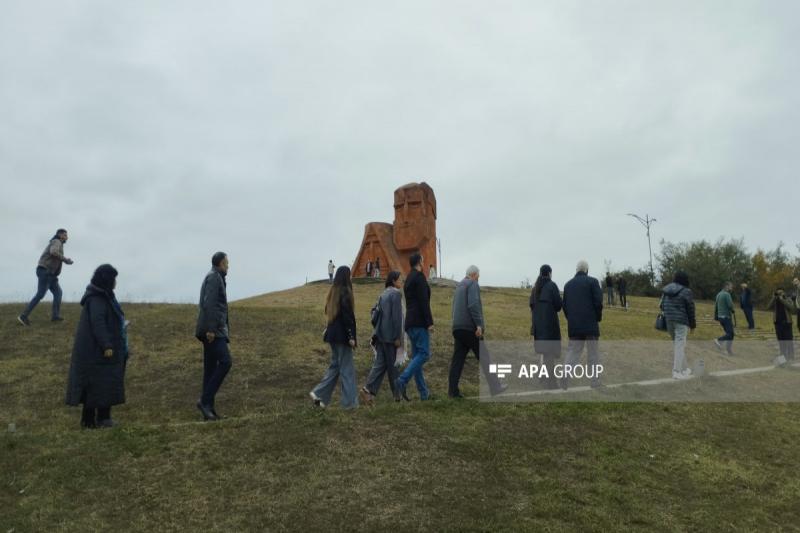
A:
(583, 307)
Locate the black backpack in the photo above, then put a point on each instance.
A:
(375, 313)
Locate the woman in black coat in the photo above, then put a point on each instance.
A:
(100, 352)
(545, 303)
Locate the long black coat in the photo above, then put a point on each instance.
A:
(95, 380)
(583, 306)
(545, 326)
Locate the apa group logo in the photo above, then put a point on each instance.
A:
(541, 371)
(500, 370)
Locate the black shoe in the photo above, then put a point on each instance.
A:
(208, 414)
(214, 410)
(23, 320)
(401, 390)
(456, 396)
(88, 424)
(57, 319)
(107, 423)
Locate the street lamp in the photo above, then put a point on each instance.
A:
(646, 222)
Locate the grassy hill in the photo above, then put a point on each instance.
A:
(275, 463)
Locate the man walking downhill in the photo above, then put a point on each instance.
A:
(212, 331)
(746, 303)
(583, 307)
(419, 326)
(723, 313)
(468, 329)
(47, 272)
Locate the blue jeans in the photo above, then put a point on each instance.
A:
(727, 339)
(421, 349)
(47, 281)
(216, 364)
(341, 366)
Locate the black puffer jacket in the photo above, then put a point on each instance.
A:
(96, 380)
(677, 304)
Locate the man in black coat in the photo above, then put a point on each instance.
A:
(419, 326)
(212, 331)
(583, 308)
(746, 303)
(622, 291)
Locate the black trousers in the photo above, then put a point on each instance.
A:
(216, 364)
(785, 339)
(748, 314)
(465, 341)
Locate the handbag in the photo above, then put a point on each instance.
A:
(661, 322)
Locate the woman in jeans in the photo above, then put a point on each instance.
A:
(677, 304)
(341, 335)
(100, 353)
(387, 337)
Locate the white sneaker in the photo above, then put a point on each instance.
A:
(679, 375)
(780, 360)
(316, 399)
(686, 372)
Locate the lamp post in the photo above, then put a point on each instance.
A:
(439, 265)
(647, 222)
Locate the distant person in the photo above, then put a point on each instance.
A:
(610, 288)
(796, 283)
(545, 303)
(677, 304)
(468, 330)
(341, 335)
(47, 272)
(622, 292)
(213, 331)
(331, 270)
(431, 272)
(387, 337)
(419, 326)
(369, 268)
(99, 353)
(377, 267)
(583, 308)
(746, 303)
(782, 310)
(723, 313)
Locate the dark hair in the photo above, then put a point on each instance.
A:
(681, 278)
(217, 258)
(415, 259)
(391, 278)
(59, 231)
(544, 275)
(341, 289)
(104, 277)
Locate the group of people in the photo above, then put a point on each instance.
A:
(621, 290)
(373, 268)
(100, 350)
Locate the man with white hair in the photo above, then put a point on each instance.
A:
(468, 327)
(583, 307)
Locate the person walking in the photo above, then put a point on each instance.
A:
(419, 326)
(746, 303)
(341, 335)
(387, 338)
(47, 272)
(583, 309)
(99, 353)
(677, 304)
(782, 310)
(545, 303)
(622, 292)
(331, 270)
(610, 288)
(213, 331)
(723, 313)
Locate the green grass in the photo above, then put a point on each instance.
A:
(276, 464)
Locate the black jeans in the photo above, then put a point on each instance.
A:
(216, 364)
(785, 339)
(465, 341)
(90, 416)
(748, 314)
(623, 298)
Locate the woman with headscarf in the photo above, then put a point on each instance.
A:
(545, 303)
(341, 335)
(99, 355)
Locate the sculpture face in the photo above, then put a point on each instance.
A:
(414, 218)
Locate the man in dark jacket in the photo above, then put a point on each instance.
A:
(746, 303)
(212, 331)
(610, 288)
(622, 291)
(419, 326)
(47, 272)
(677, 304)
(583, 308)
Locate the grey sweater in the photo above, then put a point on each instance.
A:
(390, 324)
(467, 307)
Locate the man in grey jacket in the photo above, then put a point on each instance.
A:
(468, 327)
(47, 271)
(212, 331)
(387, 338)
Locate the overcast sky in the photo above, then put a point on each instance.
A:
(158, 134)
